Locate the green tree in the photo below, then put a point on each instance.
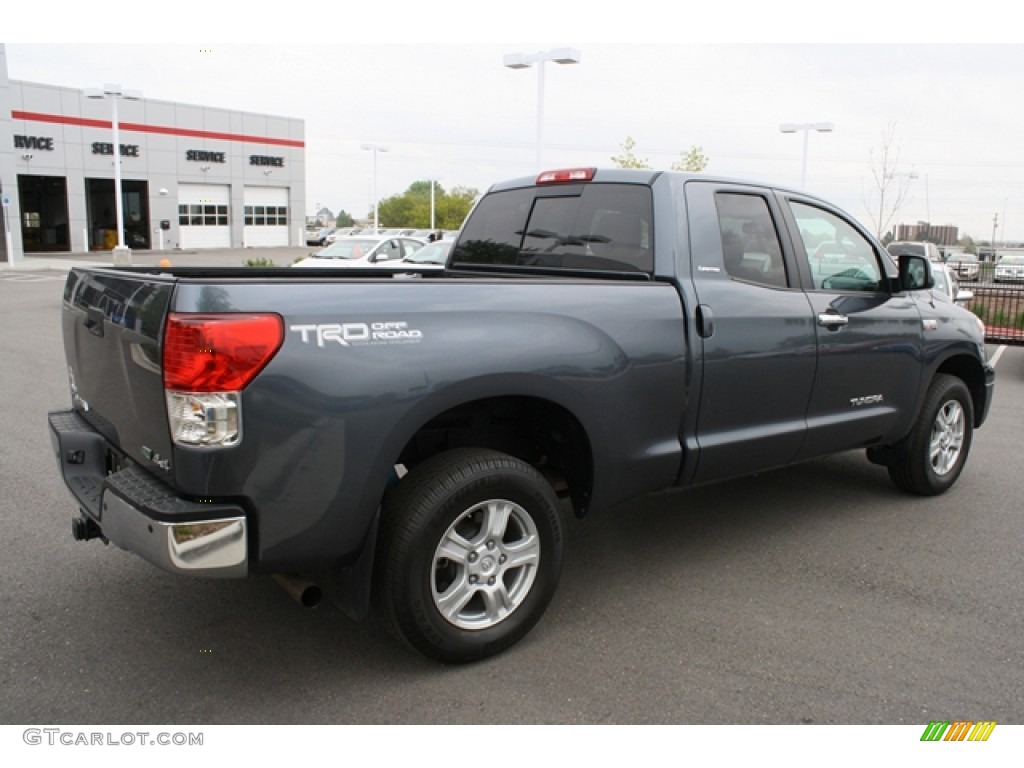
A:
(412, 207)
(343, 219)
(693, 160)
(968, 244)
(627, 159)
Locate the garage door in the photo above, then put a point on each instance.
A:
(266, 217)
(203, 215)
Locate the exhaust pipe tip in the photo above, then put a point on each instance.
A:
(301, 590)
(84, 529)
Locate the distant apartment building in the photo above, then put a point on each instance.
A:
(945, 234)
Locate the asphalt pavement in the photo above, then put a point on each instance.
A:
(813, 594)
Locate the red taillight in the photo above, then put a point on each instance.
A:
(566, 174)
(218, 353)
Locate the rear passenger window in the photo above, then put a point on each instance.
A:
(750, 242)
(605, 227)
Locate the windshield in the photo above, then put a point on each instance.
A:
(431, 253)
(347, 249)
(1012, 260)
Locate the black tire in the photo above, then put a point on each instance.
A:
(929, 460)
(450, 590)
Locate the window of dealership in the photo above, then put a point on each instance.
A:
(192, 176)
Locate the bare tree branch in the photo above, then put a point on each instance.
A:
(890, 188)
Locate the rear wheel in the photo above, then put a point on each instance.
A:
(471, 551)
(929, 460)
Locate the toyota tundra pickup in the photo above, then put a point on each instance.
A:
(410, 438)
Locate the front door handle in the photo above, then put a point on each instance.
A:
(832, 319)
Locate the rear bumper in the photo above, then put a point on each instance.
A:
(139, 513)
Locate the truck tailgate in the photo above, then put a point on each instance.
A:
(112, 326)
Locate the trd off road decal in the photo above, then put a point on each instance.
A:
(357, 334)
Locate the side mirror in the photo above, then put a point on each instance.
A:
(915, 273)
(963, 295)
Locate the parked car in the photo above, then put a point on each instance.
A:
(319, 236)
(432, 255)
(947, 284)
(913, 248)
(362, 251)
(341, 232)
(1010, 269)
(965, 265)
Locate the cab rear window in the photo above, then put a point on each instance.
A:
(599, 227)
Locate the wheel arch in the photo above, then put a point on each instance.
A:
(536, 429)
(970, 371)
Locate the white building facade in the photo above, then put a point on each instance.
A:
(191, 176)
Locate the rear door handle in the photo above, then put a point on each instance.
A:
(705, 321)
(94, 321)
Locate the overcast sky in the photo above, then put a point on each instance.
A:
(449, 110)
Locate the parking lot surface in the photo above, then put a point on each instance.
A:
(814, 594)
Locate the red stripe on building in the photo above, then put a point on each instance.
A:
(161, 129)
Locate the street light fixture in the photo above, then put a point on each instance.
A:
(902, 174)
(527, 60)
(806, 128)
(375, 148)
(114, 92)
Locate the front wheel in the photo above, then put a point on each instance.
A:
(470, 554)
(929, 460)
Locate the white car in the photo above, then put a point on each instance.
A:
(915, 248)
(363, 251)
(947, 284)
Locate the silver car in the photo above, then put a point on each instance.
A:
(359, 251)
(965, 265)
(1010, 269)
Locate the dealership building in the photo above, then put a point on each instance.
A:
(191, 176)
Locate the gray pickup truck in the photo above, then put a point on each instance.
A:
(405, 439)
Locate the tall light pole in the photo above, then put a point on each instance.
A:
(527, 60)
(995, 223)
(114, 92)
(375, 148)
(806, 128)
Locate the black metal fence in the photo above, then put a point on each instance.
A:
(999, 305)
